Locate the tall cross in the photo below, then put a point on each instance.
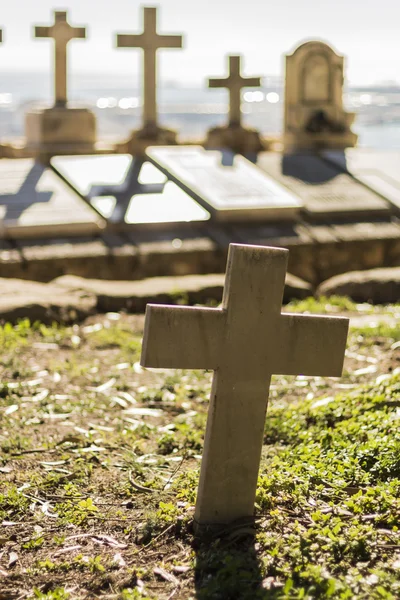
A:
(234, 82)
(244, 342)
(150, 41)
(62, 33)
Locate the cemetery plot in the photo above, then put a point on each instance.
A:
(34, 201)
(229, 187)
(99, 464)
(379, 171)
(326, 191)
(128, 190)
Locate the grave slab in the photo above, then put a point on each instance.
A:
(230, 187)
(244, 342)
(127, 190)
(326, 191)
(378, 170)
(34, 202)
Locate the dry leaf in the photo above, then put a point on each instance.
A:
(165, 575)
(12, 559)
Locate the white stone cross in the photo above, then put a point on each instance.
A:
(234, 82)
(62, 33)
(150, 41)
(244, 342)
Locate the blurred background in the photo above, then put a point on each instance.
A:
(109, 80)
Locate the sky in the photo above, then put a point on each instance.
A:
(365, 31)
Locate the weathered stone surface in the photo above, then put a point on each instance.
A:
(42, 302)
(191, 289)
(314, 113)
(379, 286)
(244, 341)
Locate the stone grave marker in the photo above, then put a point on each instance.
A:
(244, 342)
(230, 187)
(234, 136)
(234, 83)
(150, 41)
(34, 201)
(61, 128)
(314, 113)
(127, 190)
(325, 189)
(62, 33)
(378, 170)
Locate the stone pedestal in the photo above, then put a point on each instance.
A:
(60, 130)
(236, 138)
(149, 135)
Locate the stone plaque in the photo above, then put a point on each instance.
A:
(228, 186)
(35, 201)
(378, 170)
(325, 190)
(127, 190)
(316, 79)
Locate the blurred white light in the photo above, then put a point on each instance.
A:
(258, 96)
(112, 102)
(6, 98)
(126, 103)
(248, 97)
(102, 103)
(366, 99)
(272, 97)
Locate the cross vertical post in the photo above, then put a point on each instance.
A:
(62, 33)
(150, 41)
(244, 342)
(234, 83)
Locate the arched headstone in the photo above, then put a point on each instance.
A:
(314, 113)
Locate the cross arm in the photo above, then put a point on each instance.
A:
(129, 40)
(218, 83)
(182, 337)
(78, 32)
(310, 345)
(251, 82)
(170, 41)
(42, 31)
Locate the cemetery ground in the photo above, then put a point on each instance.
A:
(99, 463)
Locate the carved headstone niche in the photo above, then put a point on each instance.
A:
(314, 113)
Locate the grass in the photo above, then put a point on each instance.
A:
(99, 463)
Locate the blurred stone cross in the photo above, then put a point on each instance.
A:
(1, 36)
(62, 33)
(234, 82)
(150, 41)
(244, 342)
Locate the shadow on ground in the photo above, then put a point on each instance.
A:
(227, 568)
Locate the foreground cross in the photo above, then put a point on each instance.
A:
(150, 41)
(244, 342)
(62, 33)
(234, 82)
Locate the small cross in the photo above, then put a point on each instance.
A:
(244, 342)
(62, 33)
(234, 82)
(150, 41)
(1, 36)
